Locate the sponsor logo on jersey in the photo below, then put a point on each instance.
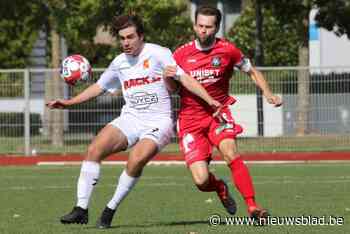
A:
(140, 81)
(146, 64)
(142, 100)
(216, 62)
(206, 75)
(191, 60)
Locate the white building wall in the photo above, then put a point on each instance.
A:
(326, 49)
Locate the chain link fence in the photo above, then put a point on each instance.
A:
(315, 115)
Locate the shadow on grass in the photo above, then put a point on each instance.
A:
(158, 224)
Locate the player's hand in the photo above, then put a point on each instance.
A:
(224, 115)
(216, 107)
(169, 71)
(274, 100)
(57, 104)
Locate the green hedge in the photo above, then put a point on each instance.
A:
(12, 124)
(12, 85)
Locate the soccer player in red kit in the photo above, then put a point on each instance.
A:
(211, 61)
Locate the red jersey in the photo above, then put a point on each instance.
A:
(213, 68)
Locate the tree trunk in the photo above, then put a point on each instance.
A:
(48, 114)
(56, 120)
(303, 101)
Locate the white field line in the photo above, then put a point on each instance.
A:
(184, 178)
(169, 163)
(174, 184)
(69, 187)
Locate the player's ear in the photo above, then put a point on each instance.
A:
(217, 28)
(194, 26)
(142, 37)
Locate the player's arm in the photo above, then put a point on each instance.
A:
(196, 88)
(258, 78)
(108, 81)
(260, 81)
(89, 93)
(171, 84)
(170, 72)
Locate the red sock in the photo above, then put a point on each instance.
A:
(243, 181)
(213, 184)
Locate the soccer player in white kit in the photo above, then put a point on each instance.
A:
(145, 123)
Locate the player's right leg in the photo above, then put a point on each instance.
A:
(109, 140)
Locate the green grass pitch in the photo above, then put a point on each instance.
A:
(165, 201)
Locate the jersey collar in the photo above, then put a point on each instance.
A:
(199, 47)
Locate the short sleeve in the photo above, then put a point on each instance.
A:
(168, 60)
(109, 80)
(239, 60)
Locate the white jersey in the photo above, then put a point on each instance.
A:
(140, 78)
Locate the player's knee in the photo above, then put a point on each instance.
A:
(94, 153)
(134, 169)
(229, 156)
(201, 182)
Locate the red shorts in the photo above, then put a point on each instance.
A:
(197, 138)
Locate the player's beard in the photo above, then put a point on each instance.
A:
(207, 41)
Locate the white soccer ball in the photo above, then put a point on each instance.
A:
(75, 68)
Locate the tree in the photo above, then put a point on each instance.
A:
(280, 40)
(77, 21)
(79, 28)
(166, 22)
(293, 19)
(334, 16)
(19, 30)
(299, 10)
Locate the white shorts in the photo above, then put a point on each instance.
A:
(160, 131)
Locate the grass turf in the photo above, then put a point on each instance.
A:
(165, 201)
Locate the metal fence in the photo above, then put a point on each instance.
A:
(315, 115)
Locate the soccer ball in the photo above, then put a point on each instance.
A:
(75, 68)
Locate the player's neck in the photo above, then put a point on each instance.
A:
(138, 51)
(202, 47)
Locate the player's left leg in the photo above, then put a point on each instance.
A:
(206, 181)
(241, 176)
(152, 140)
(140, 155)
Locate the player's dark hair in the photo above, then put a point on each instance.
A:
(123, 21)
(209, 11)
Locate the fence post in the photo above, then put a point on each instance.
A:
(27, 113)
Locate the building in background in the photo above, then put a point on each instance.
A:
(325, 48)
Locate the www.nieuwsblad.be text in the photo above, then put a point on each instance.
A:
(304, 220)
